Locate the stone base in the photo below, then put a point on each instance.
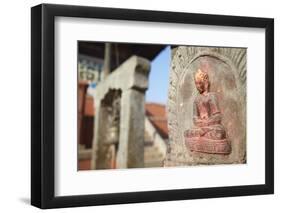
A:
(206, 145)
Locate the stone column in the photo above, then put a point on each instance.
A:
(131, 144)
(131, 78)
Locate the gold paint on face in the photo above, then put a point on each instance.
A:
(201, 81)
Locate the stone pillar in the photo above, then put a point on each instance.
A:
(131, 144)
(131, 78)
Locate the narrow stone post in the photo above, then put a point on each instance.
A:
(131, 144)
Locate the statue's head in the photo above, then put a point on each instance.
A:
(202, 81)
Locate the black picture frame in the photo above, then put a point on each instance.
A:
(43, 105)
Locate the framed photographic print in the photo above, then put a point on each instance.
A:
(140, 106)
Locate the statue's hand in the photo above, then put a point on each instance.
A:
(215, 118)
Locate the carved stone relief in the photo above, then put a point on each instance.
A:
(226, 71)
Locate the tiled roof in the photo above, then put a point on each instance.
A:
(157, 115)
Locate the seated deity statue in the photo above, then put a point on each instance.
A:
(207, 135)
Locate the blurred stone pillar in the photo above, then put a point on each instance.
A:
(131, 78)
(131, 144)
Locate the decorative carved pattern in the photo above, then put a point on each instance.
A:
(111, 113)
(210, 146)
(112, 103)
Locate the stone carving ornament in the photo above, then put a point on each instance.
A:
(225, 69)
(112, 136)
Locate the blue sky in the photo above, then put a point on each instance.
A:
(159, 78)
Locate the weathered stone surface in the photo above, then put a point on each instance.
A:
(131, 144)
(227, 72)
(119, 125)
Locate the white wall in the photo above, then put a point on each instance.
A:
(15, 105)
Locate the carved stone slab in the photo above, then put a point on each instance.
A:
(227, 72)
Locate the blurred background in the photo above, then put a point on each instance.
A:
(97, 60)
